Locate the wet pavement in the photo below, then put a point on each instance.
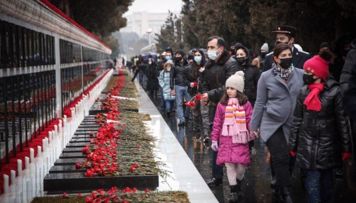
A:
(256, 185)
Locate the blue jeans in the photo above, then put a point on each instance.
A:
(319, 185)
(181, 95)
(168, 105)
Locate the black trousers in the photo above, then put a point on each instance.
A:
(353, 138)
(278, 147)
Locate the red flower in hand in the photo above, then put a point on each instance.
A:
(190, 103)
(346, 156)
(293, 153)
(198, 97)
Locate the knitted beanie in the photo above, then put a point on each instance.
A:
(317, 66)
(236, 81)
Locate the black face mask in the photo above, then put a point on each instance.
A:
(241, 60)
(178, 58)
(308, 79)
(286, 63)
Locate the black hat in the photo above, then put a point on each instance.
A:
(286, 29)
(169, 49)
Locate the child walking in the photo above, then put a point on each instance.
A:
(319, 136)
(166, 83)
(230, 134)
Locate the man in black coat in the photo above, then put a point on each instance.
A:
(217, 70)
(286, 34)
(348, 88)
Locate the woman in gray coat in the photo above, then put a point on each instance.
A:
(277, 92)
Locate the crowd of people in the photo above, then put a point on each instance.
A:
(302, 107)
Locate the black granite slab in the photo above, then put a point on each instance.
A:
(72, 149)
(91, 129)
(89, 125)
(72, 161)
(55, 183)
(76, 144)
(80, 140)
(72, 155)
(96, 111)
(66, 169)
(76, 136)
(84, 133)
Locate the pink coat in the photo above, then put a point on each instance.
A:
(229, 152)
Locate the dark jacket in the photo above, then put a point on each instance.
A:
(215, 75)
(179, 74)
(152, 75)
(319, 138)
(299, 57)
(348, 82)
(252, 74)
(193, 75)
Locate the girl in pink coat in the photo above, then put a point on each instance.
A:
(230, 134)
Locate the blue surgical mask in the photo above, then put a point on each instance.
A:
(197, 59)
(212, 54)
(168, 58)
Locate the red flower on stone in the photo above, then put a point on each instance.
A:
(89, 199)
(133, 167)
(129, 190)
(78, 165)
(65, 195)
(89, 173)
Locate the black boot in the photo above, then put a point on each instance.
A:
(287, 195)
(214, 182)
(234, 193)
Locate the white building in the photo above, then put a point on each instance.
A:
(144, 23)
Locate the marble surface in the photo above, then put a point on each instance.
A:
(183, 174)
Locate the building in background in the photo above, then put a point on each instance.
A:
(139, 35)
(144, 23)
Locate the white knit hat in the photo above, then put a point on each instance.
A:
(236, 81)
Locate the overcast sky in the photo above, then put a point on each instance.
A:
(155, 6)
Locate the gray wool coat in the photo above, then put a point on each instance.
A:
(275, 103)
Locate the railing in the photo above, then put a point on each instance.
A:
(46, 61)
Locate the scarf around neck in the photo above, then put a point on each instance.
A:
(312, 101)
(281, 72)
(235, 122)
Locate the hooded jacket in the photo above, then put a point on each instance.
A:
(319, 138)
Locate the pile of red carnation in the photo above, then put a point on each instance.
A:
(101, 154)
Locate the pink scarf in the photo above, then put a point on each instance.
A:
(235, 122)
